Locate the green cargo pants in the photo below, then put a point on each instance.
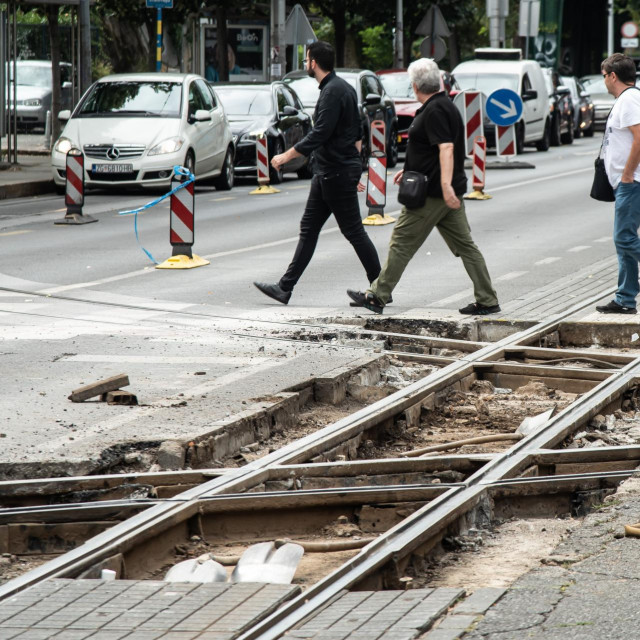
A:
(413, 228)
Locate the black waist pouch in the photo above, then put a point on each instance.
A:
(413, 190)
(601, 188)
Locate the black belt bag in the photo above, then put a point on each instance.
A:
(413, 190)
(601, 188)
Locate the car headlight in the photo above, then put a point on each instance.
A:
(63, 145)
(254, 135)
(170, 145)
(32, 102)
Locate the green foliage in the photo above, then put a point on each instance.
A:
(377, 47)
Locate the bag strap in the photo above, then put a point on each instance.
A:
(605, 124)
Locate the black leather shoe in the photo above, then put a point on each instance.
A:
(274, 291)
(614, 307)
(366, 300)
(477, 309)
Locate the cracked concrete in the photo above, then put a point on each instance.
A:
(590, 594)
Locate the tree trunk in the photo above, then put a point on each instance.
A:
(340, 27)
(54, 41)
(222, 56)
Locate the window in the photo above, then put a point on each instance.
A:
(291, 101)
(282, 100)
(206, 94)
(526, 83)
(196, 99)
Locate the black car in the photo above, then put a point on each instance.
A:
(271, 109)
(584, 110)
(373, 101)
(561, 109)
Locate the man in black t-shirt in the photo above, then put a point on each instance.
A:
(436, 148)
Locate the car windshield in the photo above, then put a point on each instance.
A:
(488, 82)
(397, 85)
(594, 85)
(306, 88)
(32, 76)
(245, 102)
(133, 98)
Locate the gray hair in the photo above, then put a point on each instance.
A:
(426, 75)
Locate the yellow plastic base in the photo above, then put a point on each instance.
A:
(477, 195)
(377, 219)
(264, 188)
(183, 262)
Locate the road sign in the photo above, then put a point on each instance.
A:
(629, 30)
(159, 4)
(629, 43)
(433, 23)
(504, 107)
(436, 50)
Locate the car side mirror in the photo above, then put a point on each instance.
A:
(561, 90)
(201, 115)
(585, 94)
(64, 115)
(288, 110)
(66, 85)
(372, 98)
(530, 94)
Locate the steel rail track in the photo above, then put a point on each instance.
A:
(398, 541)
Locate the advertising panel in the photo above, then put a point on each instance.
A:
(246, 50)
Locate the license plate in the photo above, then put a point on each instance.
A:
(112, 168)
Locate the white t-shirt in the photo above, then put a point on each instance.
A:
(618, 137)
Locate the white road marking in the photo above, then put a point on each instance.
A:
(547, 261)
(222, 199)
(454, 298)
(15, 233)
(604, 239)
(512, 276)
(553, 177)
(578, 248)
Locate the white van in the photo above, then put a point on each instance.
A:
(504, 69)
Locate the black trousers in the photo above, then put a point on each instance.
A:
(334, 193)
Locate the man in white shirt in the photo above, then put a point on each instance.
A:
(621, 155)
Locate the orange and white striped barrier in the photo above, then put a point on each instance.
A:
(74, 189)
(262, 167)
(479, 166)
(506, 141)
(182, 228)
(473, 118)
(377, 176)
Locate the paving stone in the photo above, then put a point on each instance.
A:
(479, 601)
(457, 622)
(443, 634)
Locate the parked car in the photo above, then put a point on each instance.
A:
(583, 110)
(34, 88)
(602, 99)
(560, 109)
(504, 69)
(373, 102)
(270, 109)
(396, 83)
(134, 128)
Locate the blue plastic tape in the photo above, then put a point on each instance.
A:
(177, 171)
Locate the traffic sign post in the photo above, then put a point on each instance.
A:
(159, 5)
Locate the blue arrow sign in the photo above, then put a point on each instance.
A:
(159, 4)
(504, 107)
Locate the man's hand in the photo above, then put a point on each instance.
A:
(282, 158)
(361, 186)
(450, 198)
(398, 177)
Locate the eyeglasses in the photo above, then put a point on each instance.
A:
(604, 75)
(307, 61)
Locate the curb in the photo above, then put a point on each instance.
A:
(22, 189)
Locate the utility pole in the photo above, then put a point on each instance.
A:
(398, 58)
(85, 45)
(277, 51)
(497, 11)
(610, 27)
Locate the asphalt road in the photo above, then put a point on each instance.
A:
(539, 226)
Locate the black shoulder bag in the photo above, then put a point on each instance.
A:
(413, 189)
(601, 188)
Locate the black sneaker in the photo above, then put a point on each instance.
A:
(366, 300)
(355, 304)
(614, 307)
(274, 291)
(477, 309)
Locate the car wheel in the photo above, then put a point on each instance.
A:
(276, 175)
(60, 189)
(392, 149)
(519, 138)
(543, 144)
(567, 138)
(224, 182)
(555, 131)
(190, 162)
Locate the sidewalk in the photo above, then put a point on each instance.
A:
(32, 175)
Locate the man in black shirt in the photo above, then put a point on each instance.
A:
(436, 148)
(335, 141)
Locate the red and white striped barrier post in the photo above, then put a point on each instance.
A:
(74, 189)
(506, 141)
(262, 167)
(377, 176)
(478, 172)
(473, 118)
(182, 228)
